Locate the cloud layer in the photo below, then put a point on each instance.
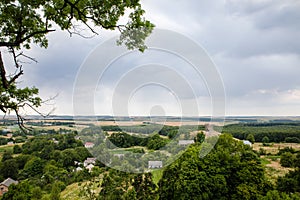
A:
(255, 45)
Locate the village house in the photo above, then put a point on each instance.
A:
(90, 167)
(185, 142)
(247, 142)
(78, 169)
(155, 164)
(89, 161)
(88, 164)
(10, 143)
(89, 145)
(5, 184)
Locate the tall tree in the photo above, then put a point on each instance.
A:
(9, 169)
(265, 140)
(251, 138)
(200, 137)
(27, 22)
(287, 159)
(144, 186)
(7, 155)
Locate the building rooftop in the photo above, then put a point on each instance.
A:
(186, 142)
(247, 142)
(8, 182)
(155, 164)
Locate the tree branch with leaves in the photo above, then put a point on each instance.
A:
(26, 22)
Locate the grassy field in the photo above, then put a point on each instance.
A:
(274, 148)
(272, 161)
(274, 169)
(157, 175)
(72, 192)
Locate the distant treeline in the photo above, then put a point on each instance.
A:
(170, 131)
(52, 123)
(275, 131)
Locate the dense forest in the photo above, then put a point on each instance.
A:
(275, 131)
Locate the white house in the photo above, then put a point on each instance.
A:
(185, 142)
(90, 167)
(89, 161)
(155, 164)
(78, 169)
(247, 142)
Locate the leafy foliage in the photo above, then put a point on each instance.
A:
(290, 183)
(287, 159)
(124, 140)
(120, 185)
(251, 138)
(26, 21)
(200, 137)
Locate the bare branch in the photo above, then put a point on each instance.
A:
(15, 77)
(35, 110)
(50, 99)
(21, 121)
(77, 30)
(28, 57)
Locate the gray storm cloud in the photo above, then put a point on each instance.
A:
(255, 45)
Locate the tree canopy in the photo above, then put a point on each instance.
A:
(27, 22)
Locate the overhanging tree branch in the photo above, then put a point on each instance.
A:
(19, 41)
(24, 23)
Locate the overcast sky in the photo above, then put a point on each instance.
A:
(255, 45)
